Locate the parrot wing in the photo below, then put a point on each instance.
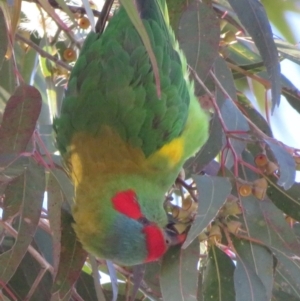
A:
(112, 84)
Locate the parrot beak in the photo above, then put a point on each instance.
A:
(173, 238)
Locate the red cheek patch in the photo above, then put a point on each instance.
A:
(156, 244)
(126, 203)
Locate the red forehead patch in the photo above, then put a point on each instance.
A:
(156, 244)
(126, 203)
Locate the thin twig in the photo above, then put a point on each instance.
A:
(253, 125)
(188, 188)
(59, 22)
(247, 73)
(144, 287)
(100, 25)
(42, 52)
(74, 9)
(35, 283)
(34, 253)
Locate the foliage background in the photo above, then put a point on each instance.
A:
(244, 241)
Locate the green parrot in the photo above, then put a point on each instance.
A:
(123, 144)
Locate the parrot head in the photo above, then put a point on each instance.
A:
(143, 237)
(132, 237)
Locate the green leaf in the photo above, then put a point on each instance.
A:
(218, 282)
(30, 282)
(260, 261)
(179, 274)
(292, 95)
(288, 274)
(224, 75)
(280, 295)
(248, 287)
(248, 110)
(64, 182)
(286, 200)
(32, 186)
(3, 38)
(72, 258)
(19, 119)
(85, 287)
(26, 62)
(151, 277)
(13, 198)
(234, 121)
(209, 151)
(232, 117)
(257, 24)
(288, 50)
(199, 36)
(55, 200)
(287, 165)
(213, 192)
(244, 57)
(265, 223)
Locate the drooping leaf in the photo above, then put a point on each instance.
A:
(266, 223)
(280, 295)
(13, 198)
(260, 261)
(19, 119)
(151, 277)
(288, 50)
(257, 24)
(248, 110)
(26, 59)
(32, 185)
(113, 278)
(288, 274)
(213, 192)
(179, 273)
(34, 285)
(232, 117)
(138, 276)
(286, 200)
(244, 57)
(218, 277)
(96, 278)
(65, 184)
(287, 165)
(3, 37)
(72, 258)
(225, 78)
(209, 151)
(291, 93)
(199, 35)
(55, 200)
(85, 287)
(248, 286)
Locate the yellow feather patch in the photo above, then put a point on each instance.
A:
(92, 156)
(173, 151)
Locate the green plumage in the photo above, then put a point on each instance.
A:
(115, 74)
(115, 134)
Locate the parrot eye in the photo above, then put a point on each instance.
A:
(172, 238)
(167, 241)
(144, 221)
